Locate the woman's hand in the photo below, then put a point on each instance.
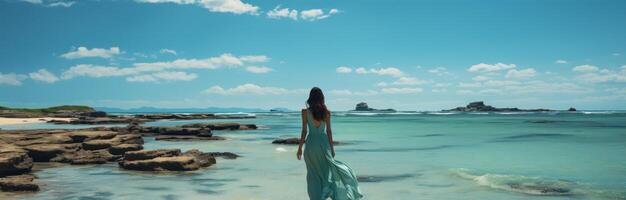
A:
(299, 154)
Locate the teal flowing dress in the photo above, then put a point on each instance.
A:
(326, 177)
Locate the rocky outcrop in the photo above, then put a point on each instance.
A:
(14, 160)
(287, 141)
(25, 182)
(198, 131)
(94, 118)
(189, 116)
(572, 109)
(15, 164)
(364, 107)
(480, 106)
(19, 149)
(166, 160)
(174, 138)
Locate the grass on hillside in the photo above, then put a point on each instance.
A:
(50, 109)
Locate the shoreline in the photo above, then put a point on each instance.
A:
(20, 121)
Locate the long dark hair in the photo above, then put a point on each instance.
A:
(316, 105)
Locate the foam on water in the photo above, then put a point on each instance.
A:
(535, 185)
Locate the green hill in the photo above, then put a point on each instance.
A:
(39, 112)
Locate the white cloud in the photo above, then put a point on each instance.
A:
(308, 15)
(344, 69)
(258, 70)
(84, 52)
(44, 76)
(51, 3)
(254, 58)
(439, 71)
(616, 54)
(560, 61)
(361, 70)
(175, 76)
(278, 13)
(524, 73)
(246, 89)
(65, 4)
(405, 90)
(389, 71)
(603, 77)
(96, 71)
(506, 87)
(350, 93)
(11, 79)
(470, 85)
(164, 76)
(138, 70)
(481, 78)
(142, 78)
(482, 67)
(316, 14)
(223, 6)
(585, 68)
(168, 51)
(409, 81)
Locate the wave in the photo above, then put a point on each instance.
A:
(598, 112)
(442, 113)
(521, 184)
(378, 113)
(536, 185)
(245, 114)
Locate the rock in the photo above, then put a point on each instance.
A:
(97, 144)
(203, 159)
(123, 148)
(42, 139)
(222, 126)
(185, 138)
(46, 152)
(287, 141)
(166, 160)
(82, 136)
(364, 107)
(14, 161)
(177, 163)
(95, 114)
(23, 182)
(149, 154)
(225, 155)
(86, 157)
(480, 106)
(571, 109)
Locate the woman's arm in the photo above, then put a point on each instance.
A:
(329, 133)
(302, 134)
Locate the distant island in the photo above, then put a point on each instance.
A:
(57, 111)
(480, 106)
(363, 107)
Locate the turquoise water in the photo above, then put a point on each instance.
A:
(402, 156)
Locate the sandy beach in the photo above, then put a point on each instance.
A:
(17, 121)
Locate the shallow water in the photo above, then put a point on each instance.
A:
(399, 156)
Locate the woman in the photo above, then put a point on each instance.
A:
(326, 177)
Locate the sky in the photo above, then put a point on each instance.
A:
(406, 55)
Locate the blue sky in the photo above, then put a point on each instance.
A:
(408, 55)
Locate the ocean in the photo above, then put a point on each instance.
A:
(404, 155)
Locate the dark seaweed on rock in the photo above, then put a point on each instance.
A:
(383, 178)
